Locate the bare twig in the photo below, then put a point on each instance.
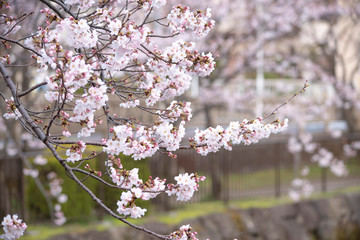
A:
(287, 101)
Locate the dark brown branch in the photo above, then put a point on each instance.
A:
(160, 36)
(52, 7)
(74, 142)
(63, 6)
(31, 89)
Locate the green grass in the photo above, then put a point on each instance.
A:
(45, 231)
(200, 209)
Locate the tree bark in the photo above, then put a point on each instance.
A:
(349, 116)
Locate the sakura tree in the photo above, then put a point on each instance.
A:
(94, 65)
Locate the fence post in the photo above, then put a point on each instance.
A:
(216, 172)
(277, 172)
(12, 190)
(226, 157)
(323, 179)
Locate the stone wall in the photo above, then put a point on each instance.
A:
(337, 218)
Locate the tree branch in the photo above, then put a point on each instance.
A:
(21, 45)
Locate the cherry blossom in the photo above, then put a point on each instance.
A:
(181, 18)
(40, 160)
(13, 112)
(56, 193)
(75, 152)
(339, 168)
(148, 4)
(300, 188)
(83, 4)
(186, 185)
(13, 227)
(127, 206)
(34, 173)
(60, 218)
(184, 233)
(77, 34)
(246, 132)
(327, 159)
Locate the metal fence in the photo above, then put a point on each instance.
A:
(263, 169)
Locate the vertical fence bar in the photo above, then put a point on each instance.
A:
(277, 171)
(323, 179)
(12, 189)
(21, 180)
(225, 156)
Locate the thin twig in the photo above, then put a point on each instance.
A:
(287, 101)
(21, 45)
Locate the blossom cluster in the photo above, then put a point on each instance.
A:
(11, 25)
(82, 4)
(77, 34)
(145, 141)
(184, 233)
(305, 143)
(171, 72)
(85, 107)
(175, 111)
(130, 36)
(325, 158)
(300, 188)
(139, 145)
(12, 111)
(247, 132)
(170, 136)
(40, 160)
(136, 189)
(75, 152)
(186, 185)
(55, 188)
(56, 193)
(33, 172)
(181, 18)
(13, 227)
(148, 4)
